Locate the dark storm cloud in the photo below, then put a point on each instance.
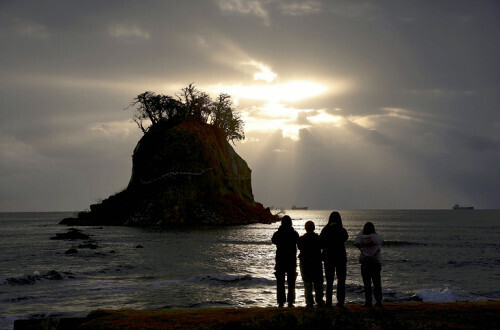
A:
(417, 113)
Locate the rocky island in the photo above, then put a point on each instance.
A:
(184, 170)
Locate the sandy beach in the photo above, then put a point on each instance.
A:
(464, 315)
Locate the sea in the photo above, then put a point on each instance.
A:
(428, 255)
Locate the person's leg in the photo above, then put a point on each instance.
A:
(280, 287)
(307, 285)
(291, 277)
(365, 274)
(329, 274)
(318, 290)
(341, 277)
(377, 283)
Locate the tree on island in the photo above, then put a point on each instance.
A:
(192, 103)
(184, 169)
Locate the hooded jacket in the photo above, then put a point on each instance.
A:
(369, 245)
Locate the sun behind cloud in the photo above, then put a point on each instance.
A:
(265, 73)
(273, 102)
(291, 91)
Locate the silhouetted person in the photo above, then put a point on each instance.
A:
(286, 260)
(333, 238)
(311, 266)
(369, 244)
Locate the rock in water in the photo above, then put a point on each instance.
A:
(182, 174)
(71, 234)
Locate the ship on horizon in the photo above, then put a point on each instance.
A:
(299, 207)
(458, 207)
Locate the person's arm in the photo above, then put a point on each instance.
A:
(300, 243)
(346, 236)
(357, 241)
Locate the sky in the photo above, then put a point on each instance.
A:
(347, 104)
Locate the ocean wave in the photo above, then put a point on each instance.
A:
(402, 243)
(7, 322)
(354, 288)
(36, 276)
(160, 284)
(436, 295)
(19, 299)
(393, 243)
(446, 294)
(228, 279)
(107, 270)
(474, 263)
(238, 242)
(210, 303)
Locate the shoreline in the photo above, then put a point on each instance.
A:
(468, 315)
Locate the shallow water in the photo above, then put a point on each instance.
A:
(427, 255)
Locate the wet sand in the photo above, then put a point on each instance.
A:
(418, 315)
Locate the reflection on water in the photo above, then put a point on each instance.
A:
(428, 255)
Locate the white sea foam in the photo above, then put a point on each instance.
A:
(436, 295)
(447, 294)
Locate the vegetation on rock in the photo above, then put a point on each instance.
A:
(184, 170)
(188, 103)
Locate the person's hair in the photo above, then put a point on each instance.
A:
(310, 226)
(286, 221)
(335, 218)
(369, 228)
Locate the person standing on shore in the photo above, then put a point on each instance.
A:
(285, 240)
(311, 267)
(369, 244)
(333, 237)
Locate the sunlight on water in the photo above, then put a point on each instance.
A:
(427, 255)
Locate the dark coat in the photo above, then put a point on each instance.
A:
(310, 249)
(333, 238)
(285, 240)
(310, 256)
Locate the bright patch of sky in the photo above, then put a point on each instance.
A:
(278, 92)
(372, 104)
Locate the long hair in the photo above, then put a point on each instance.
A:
(369, 228)
(335, 218)
(286, 221)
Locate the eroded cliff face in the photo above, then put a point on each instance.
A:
(182, 174)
